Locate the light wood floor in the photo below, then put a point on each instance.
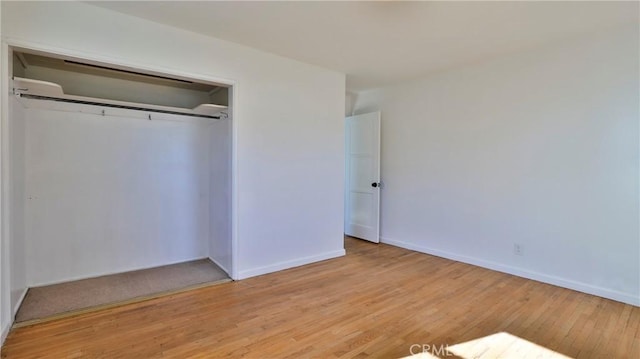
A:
(377, 301)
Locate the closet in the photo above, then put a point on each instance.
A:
(113, 169)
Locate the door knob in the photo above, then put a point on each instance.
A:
(375, 184)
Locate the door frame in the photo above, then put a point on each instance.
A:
(6, 50)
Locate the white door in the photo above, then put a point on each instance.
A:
(362, 151)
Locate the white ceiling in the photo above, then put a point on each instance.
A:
(378, 43)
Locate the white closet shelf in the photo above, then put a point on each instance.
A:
(44, 90)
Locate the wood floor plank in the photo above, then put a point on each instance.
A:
(377, 301)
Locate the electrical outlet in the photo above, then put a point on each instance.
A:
(517, 249)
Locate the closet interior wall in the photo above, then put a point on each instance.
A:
(220, 190)
(17, 200)
(95, 194)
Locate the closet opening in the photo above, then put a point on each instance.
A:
(119, 183)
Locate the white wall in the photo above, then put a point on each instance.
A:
(17, 197)
(288, 122)
(350, 101)
(6, 319)
(539, 149)
(108, 194)
(220, 194)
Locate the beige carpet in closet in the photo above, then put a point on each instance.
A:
(68, 298)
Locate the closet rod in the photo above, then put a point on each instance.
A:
(39, 97)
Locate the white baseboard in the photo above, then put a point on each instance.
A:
(289, 264)
(540, 277)
(5, 333)
(224, 268)
(111, 272)
(14, 310)
(19, 302)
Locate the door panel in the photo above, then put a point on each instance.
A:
(362, 152)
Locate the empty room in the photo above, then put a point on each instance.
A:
(311, 179)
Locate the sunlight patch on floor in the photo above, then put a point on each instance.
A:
(499, 345)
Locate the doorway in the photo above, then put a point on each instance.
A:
(362, 176)
(112, 169)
